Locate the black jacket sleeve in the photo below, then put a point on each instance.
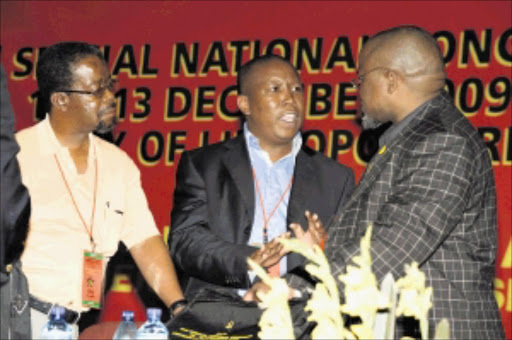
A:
(196, 248)
(14, 196)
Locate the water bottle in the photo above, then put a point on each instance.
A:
(126, 329)
(57, 327)
(153, 328)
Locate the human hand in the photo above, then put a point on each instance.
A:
(315, 233)
(252, 293)
(260, 286)
(271, 252)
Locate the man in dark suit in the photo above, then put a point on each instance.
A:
(233, 199)
(15, 212)
(429, 192)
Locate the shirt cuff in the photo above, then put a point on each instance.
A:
(252, 276)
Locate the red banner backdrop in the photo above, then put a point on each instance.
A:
(177, 64)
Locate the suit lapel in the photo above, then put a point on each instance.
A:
(377, 163)
(370, 174)
(236, 160)
(303, 172)
(299, 198)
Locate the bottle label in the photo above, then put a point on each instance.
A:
(56, 334)
(153, 330)
(156, 336)
(92, 276)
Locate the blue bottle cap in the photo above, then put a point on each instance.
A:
(154, 313)
(57, 313)
(128, 315)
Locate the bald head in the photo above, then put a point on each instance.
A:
(399, 70)
(414, 53)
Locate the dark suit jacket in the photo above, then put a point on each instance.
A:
(15, 202)
(430, 196)
(15, 213)
(214, 208)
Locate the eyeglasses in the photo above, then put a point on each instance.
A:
(111, 85)
(356, 82)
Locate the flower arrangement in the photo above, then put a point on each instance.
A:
(362, 297)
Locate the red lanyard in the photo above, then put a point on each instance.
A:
(265, 218)
(88, 230)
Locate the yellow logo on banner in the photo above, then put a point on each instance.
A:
(165, 235)
(503, 286)
(503, 294)
(507, 258)
(121, 284)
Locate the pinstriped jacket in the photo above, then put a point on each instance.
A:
(431, 198)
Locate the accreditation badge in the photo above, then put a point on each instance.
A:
(92, 277)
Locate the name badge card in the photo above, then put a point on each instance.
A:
(91, 279)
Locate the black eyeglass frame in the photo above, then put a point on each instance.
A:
(356, 82)
(111, 86)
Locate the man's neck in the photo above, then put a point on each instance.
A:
(67, 137)
(412, 105)
(276, 152)
(76, 142)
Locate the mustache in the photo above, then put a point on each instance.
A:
(104, 127)
(369, 123)
(108, 108)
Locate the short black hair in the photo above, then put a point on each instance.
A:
(54, 67)
(245, 70)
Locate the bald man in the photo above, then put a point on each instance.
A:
(429, 191)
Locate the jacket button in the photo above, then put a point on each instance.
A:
(8, 268)
(247, 230)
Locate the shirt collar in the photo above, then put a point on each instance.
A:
(395, 129)
(54, 146)
(49, 135)
(253, 142)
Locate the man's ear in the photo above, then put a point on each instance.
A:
(393, 79)
(243, 104)
(59, 100)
